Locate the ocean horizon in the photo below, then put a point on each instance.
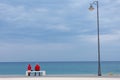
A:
(61, 67)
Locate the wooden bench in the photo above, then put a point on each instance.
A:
(41, 73)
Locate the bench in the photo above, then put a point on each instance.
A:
(41, 73)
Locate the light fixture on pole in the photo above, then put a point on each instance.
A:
(98, 37)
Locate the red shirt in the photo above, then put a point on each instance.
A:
(29, 67)
(37, 67)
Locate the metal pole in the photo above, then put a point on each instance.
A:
(99, 64)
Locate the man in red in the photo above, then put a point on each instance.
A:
(29, 69)
(37, 68)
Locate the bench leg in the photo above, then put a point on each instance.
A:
(28, 73)
(39, 73)
(35, 73)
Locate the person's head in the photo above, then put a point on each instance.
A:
(37, 65)
(29, 65)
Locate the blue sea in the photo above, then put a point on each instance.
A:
(61, 68)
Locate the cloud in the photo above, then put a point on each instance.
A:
(21, 16)
(11, 13)
(77, 4)
(104, 38)
(20, 13)
(28, 52)
(57, 27)
(109, 13)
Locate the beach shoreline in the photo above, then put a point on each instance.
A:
(62, 75)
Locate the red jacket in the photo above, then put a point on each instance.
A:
(37, 67)
(29, 67)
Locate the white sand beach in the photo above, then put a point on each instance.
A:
(59, 78)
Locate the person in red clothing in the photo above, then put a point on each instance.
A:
(29, 68)
(37, 68)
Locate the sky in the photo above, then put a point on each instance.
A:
(58, 30)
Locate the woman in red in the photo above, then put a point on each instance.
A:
(29, 68)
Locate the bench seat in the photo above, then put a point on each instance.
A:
(42, 73)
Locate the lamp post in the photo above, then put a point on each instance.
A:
(98, 37)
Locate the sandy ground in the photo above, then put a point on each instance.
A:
(59, 78)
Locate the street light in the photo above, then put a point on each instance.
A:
(98, 37)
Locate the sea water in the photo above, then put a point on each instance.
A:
(61, 68)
